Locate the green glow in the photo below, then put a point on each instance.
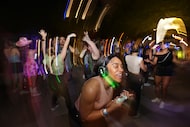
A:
(180, 54)
(58, 80)
(110, 81)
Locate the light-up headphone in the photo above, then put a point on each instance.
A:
(103, 72)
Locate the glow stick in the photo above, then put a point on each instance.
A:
(43, 49)
(50, 55)
(56, 51)
(111, 49)
(108, 47)
(120, 39)
(180, 39)
(145, 39)
(105, 47)
(38, 49)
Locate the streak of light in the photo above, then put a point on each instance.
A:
(119, 42)
(86, 9)
(100, 19)
(77, 12)
(68, 8)
(105, 47)
(111, 46)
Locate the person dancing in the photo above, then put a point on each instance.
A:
(165, 59)
(95, 104)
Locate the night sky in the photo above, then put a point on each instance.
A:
(134, 17)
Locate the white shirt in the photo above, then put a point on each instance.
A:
(133, 63)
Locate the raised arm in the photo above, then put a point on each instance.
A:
(43, 33)
(95, 51)
(64, 49)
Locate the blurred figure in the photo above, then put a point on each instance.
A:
(31, 72)
(54, 60)
(164, 61)
(147, 55)
(16, 69)
(68, 60)
(7, 66)
(90, 53)
(135, 79)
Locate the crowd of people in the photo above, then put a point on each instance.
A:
(105, 70)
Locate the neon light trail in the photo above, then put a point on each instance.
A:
(77, 12)
(86, 9)
(111, 46)
(68, 8)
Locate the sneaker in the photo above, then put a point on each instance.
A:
(155, 100)
(35, 94)
(83, 76)
(162, 104)
(151, 78)
(147, 84)
(55, 107)
(24, 92)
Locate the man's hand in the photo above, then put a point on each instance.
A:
(43, 33)
(86, 37)
(71, 35)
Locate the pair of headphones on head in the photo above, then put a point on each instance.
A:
(103, 72)
(102, 69)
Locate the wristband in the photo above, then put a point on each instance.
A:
(105, 112)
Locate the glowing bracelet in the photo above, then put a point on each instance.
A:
(105, 112)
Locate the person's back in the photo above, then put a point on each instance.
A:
(133, 63)
(135, 79)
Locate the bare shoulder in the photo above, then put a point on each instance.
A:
(91, 85)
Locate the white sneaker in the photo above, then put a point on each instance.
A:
(54, 108)
(35, 94)
(147, 84)
(156, 100)
(83, 76)
(24, 92)
(162, 104)
(151, 78)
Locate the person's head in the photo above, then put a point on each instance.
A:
(110, 66)
(62, 40)
(135, 49)
(164, 45)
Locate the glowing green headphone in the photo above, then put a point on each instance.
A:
(104, 74)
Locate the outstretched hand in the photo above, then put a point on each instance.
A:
(71, 35)
(127, 93)
(86, 33)
(86, 37)
(43, 33)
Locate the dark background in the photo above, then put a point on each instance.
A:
(136, 18)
